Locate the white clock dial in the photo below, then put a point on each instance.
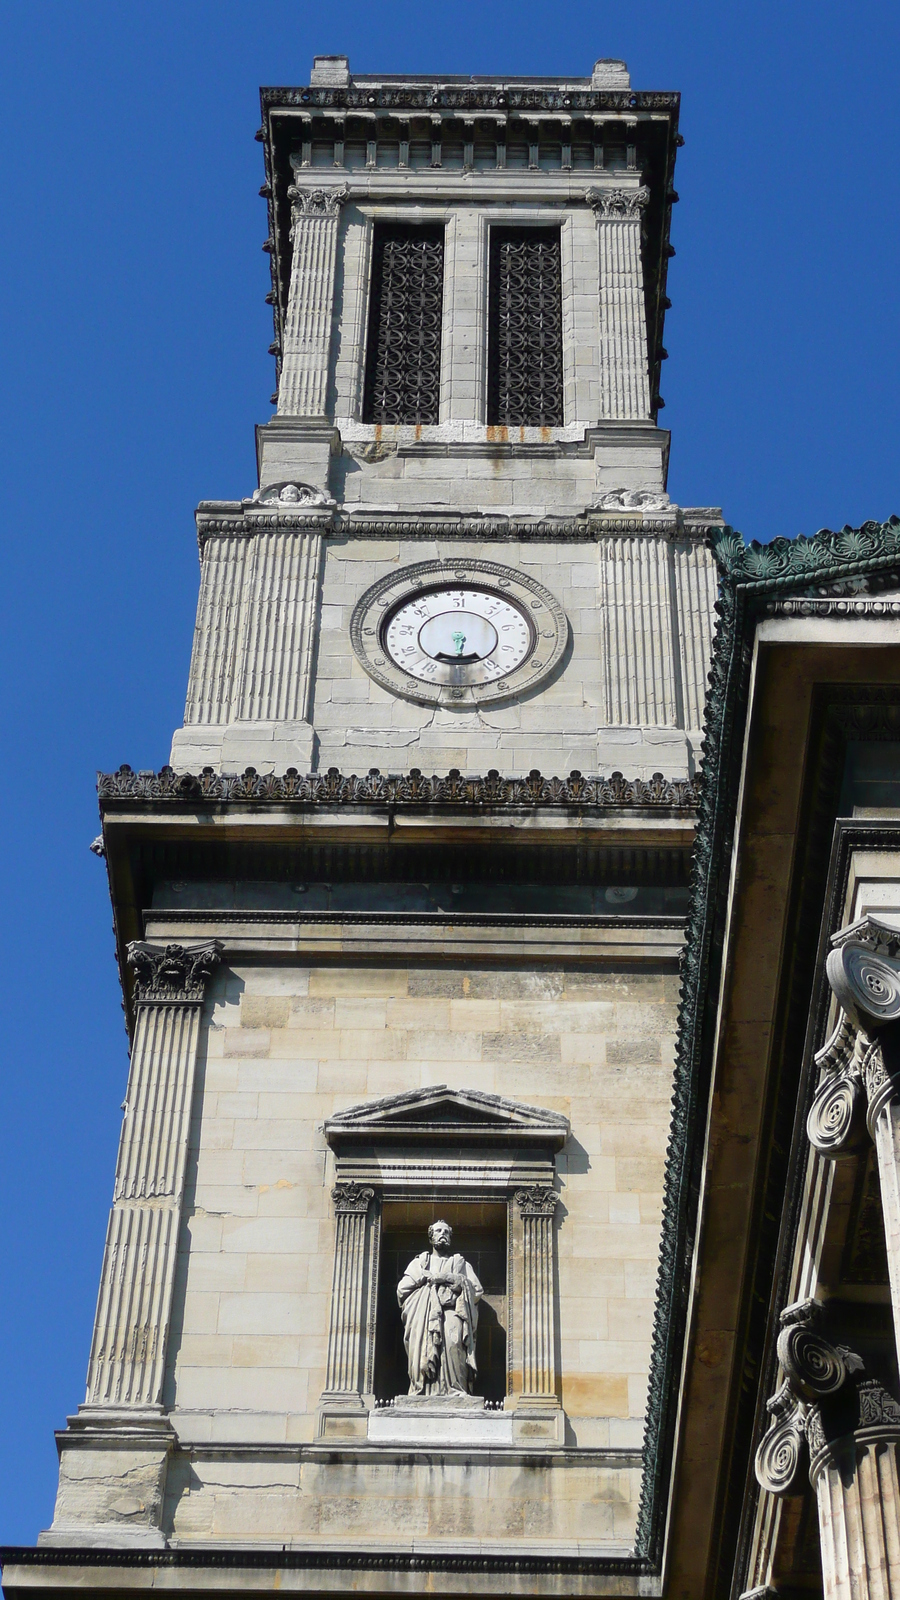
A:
(464, 635)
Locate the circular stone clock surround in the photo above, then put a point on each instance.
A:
(458, 632)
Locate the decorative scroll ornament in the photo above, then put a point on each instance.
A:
(525, 347)
(815, 1371)
(175, 974)
(352, 1198)
(781, 1458)
(814, 1367)
(835, 1124)
(316, 202)
(865, 975)
(404, 367)
(537, 1200)
(618, 205)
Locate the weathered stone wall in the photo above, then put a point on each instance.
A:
(286, 1048)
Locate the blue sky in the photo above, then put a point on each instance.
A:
(134, 337)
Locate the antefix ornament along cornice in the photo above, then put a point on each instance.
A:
(332, 788)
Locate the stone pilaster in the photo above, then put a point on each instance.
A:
(303, 388)
(114, 1453)
(844, 1430)
(624, 376)
(860, 1087)
(641, 668)
(537, 1205)
(347, 1330)
(127, 1363)
(249, 697)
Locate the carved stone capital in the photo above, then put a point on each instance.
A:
(538, 1200)
(835, 1124)
(781, 1457)
(618, 205)
(351, 1199)
(316, 202)
(173, 974)
(864, 972)
(816, 1371)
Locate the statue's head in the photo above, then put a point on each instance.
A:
(440, 1233)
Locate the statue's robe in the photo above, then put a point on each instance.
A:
(439, 1324)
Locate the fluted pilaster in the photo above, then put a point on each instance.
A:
(128, 1352)
(344, 1374)
(303, 388)
(624, 377)
(695, 593)
(641, 676)
(280, 597)
(253, 644)
(537, 1205)
(218, 630)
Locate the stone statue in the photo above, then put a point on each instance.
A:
(439, 1295)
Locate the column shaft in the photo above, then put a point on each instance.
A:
(887, 1149)
(858, 1499)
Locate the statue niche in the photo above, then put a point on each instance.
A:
(438, 1296)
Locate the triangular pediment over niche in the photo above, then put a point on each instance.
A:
(440, 1113)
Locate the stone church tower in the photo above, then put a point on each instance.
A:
(379, 972)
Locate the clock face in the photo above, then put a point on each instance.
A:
(458, 632)
(463, 635)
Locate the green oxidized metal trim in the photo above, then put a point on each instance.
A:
(750, 574)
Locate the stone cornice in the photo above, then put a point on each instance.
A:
(430, 98)
(236, 520)
(332, 788)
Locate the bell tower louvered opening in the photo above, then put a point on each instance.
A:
(403, 366)
(525, 387)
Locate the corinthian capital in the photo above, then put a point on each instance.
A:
(617, 205)
(174, 974)
(316, 202)
(352, 1198)
(538, 1200)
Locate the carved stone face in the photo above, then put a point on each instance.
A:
(440, 1234)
